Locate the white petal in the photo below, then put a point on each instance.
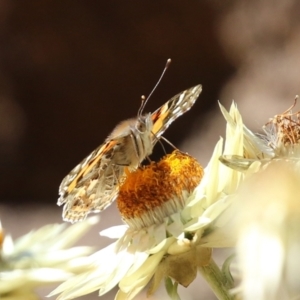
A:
(114, 232)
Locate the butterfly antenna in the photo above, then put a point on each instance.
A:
(144, 99)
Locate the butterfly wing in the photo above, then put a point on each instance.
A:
(171, 110)
(92, 185)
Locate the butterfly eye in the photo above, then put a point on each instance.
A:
(141, 127)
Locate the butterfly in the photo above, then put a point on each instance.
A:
(94, 183)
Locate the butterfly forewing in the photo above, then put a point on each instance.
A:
(174, 108)
(94, 184)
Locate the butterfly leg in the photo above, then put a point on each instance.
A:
(117, 178)
(167, 141)
(149, 160)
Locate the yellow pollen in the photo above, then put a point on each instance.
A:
(152, 186)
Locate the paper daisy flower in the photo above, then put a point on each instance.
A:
(39, 258)
(173, 221)
(150, 201)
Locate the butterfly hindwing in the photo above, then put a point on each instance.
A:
(88, 182)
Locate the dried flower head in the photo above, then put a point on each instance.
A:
(283, 132)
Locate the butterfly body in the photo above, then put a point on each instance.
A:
(93, 184)
(135, 141)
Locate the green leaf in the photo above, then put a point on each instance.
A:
(172, 288)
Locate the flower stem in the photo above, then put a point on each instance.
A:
(217, 281)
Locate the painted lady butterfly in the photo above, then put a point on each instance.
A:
(93, 184)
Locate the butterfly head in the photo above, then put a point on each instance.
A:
(144, 124)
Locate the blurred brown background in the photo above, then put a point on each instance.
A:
(71, 70)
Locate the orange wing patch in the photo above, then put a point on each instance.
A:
(158, 118)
